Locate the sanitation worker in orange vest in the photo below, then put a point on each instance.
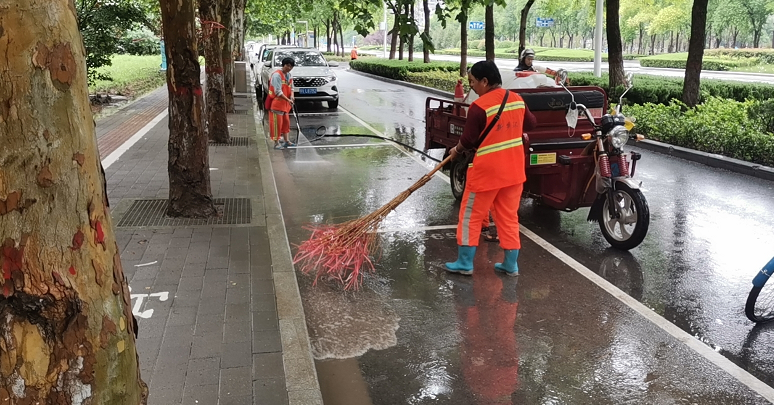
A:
(353, 54)
(496, 177)
(281, 93)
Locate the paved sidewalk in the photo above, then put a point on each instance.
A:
(219, 313)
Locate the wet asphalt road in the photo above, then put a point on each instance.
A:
(415, 334)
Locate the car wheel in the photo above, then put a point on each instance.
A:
(333, 104)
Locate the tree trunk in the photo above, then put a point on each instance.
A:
(735, 35)
(316, 42)
(394, 33)
(639, 42)
(65, 310)
(239, 29)
(425, 49)
(691, 86)
(328, 35)
(614, 50)
(653, 44)
(217, 119)
(523, 26)
(227, 19)
(489, 31)
(341, 34)
(189, 169)
(756, 38)
(412, 36)
(464, 45)
(677, 42)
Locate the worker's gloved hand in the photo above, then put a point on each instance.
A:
(454, 154)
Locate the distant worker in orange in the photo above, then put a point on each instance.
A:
(353, 54)
(496, 177)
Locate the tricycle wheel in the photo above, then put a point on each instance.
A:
(457, 176)
(629, 229)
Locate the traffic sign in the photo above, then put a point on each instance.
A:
(544, 22)
(476, 25)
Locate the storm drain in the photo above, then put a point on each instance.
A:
(242, 112)
(234, 141)
(232, 211)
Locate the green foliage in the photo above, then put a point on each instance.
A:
(764, 112)
(132, 75)
(400, 69)
(661, 90)
(678, 61)
(438, 79)
(763, 55)
(140, 41)
(718, 125)
(548, 55)
(507, 45)
(102, 25)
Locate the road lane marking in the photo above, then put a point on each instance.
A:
(687, 339)
(354, 145)
(418, 229)
(113, 157)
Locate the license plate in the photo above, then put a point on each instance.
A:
(308, 91)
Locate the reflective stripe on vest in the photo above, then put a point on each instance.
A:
(513, 105)
(499, 146)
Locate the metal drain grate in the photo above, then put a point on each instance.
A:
(233, 211)
(234, 141)
(242, 112)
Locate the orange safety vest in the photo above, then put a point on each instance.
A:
(499, 161)
(279, 104)
(353, 54)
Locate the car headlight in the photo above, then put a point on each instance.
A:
(619, 136)
(331, 79)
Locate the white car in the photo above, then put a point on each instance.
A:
(313, 78)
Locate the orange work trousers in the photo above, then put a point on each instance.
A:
(504, 202)
(279, 124)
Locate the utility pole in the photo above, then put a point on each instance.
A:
(385, 29)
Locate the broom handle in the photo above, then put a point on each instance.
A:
(424, 179)
(440, 166)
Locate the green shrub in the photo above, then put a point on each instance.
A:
(481, 45)
(141, 41)
(661, 90)
(507, 44)
(764, 55)
(678, 61)
(399, 69)
(550, 55)
(717, 126)
(438, 79)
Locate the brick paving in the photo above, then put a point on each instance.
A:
(210, 327)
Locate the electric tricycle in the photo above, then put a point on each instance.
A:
(570, 163)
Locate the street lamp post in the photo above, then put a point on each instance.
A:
(306, 32)
(385, 29)
(598, 41)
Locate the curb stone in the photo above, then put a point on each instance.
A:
(709, 159)
(301, 381)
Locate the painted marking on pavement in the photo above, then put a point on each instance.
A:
(699, 347)
(113, 157)
(353, 145)
(136, 308)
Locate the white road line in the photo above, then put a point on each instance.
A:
(111, 158)
(699, 347)
(418, 229)
(354, 145)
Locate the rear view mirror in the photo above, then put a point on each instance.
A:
(562, 76)
(630, 79)
(267, 64)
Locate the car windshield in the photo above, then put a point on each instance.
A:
(302, 58)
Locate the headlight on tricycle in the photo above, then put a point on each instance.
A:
(619, 136)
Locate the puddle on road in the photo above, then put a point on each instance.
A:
(345, 325)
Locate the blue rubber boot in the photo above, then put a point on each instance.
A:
(509, 267)
(464, 263)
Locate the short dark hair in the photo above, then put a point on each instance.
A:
(289, 61)
(487, 69)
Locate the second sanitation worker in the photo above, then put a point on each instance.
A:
(496, 177)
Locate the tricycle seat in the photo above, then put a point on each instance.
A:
(560, 99)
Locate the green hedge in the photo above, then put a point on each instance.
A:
(678, 61)
(399, 69)
(661, 90)
(764, 55)
(438, 79)
(552, 55)
(721, 126)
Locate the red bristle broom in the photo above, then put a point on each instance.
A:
(343, 251)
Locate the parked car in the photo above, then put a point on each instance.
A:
(260, 57)
(313, 78)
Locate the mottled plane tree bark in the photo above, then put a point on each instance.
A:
(189, 167)
(226, 8)
(614, 44)
(215, 97)
(67, 334)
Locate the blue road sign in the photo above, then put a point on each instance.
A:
(476, 25)
(544, 22)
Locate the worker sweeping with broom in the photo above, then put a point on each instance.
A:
(496, 177)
